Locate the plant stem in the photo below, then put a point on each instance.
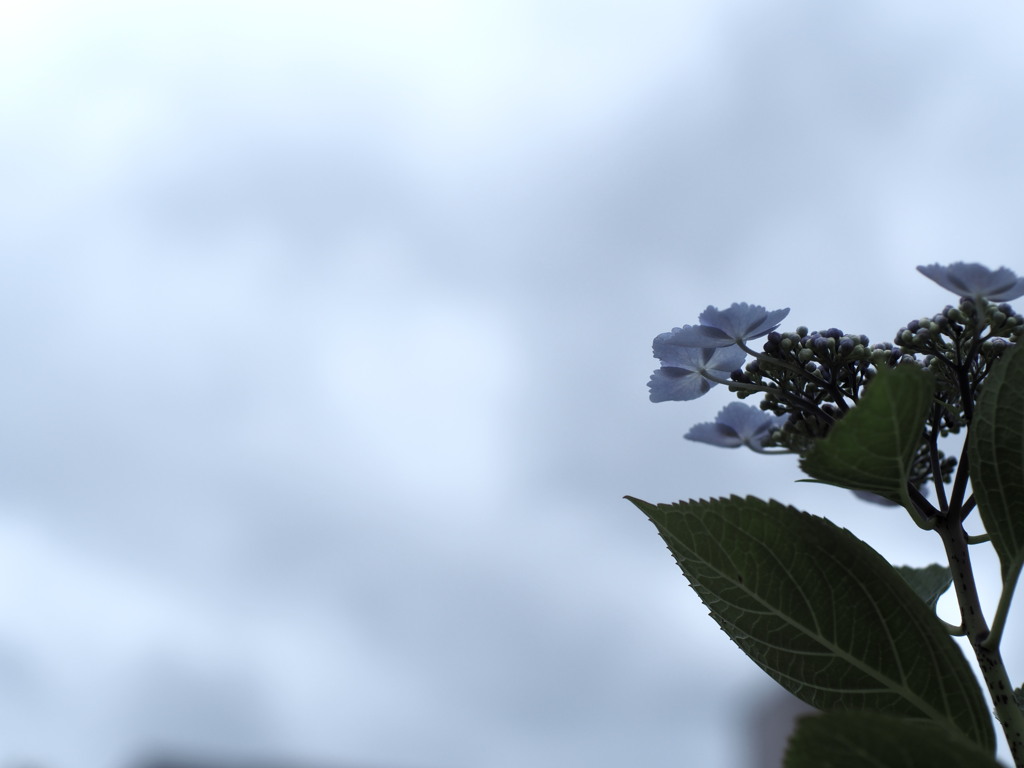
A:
(1010, 716)
(933, 457)
(836, 393)
(1003, 609)
(796, 401)
(921, 510)
(956, 499)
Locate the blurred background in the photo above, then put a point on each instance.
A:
(325, 329)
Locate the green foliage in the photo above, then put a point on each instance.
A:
(873, 447)
(812, 605)
(996, 445)
(857, 739)
(821, 612)
(929, 582)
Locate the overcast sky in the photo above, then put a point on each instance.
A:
(325, 329)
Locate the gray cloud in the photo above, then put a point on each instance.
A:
(325, 363)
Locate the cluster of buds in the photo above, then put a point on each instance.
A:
(813, 378)
(959, 346)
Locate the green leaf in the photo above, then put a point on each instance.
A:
(929, 582)
(859, 739)
(995, 443)
(821, 612)
(872, 447)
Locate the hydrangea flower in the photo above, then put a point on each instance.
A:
(683, 369)
(724, 327)
(737, 424)
(976, 281)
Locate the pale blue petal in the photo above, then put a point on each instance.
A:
(681, 376)
(669, 352)
(724, 328)
(976, 281)
(742, 321)
(737, 424)
(677, 384)
(714, 433)
(720, 359)
(692, 337)
(701, 336)
(724, 360)
(753, 425)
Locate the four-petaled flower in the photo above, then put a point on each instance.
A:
(724, 327)
(975, 281)
(737, 424)
(683, 369)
